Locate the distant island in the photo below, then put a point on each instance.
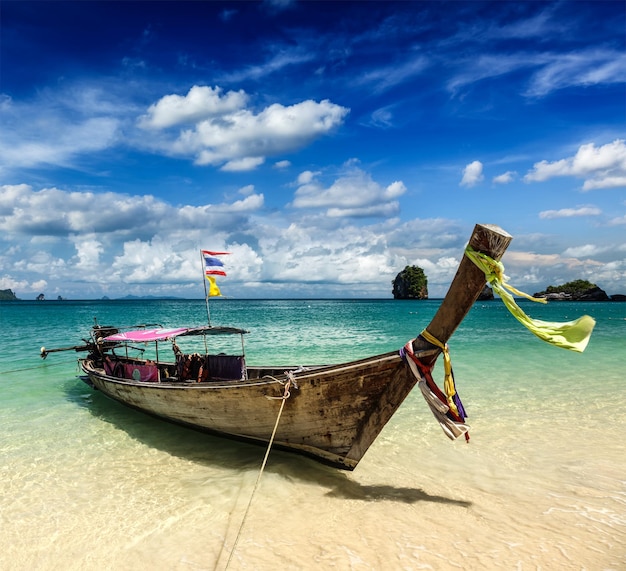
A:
(7, 295)
(577, 290)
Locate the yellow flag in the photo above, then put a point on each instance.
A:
(214, 291)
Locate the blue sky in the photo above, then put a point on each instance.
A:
(325, 145)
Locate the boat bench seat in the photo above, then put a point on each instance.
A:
(211, 367)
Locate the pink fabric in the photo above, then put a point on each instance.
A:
(145, 335)
(143, 373)
(109, 367)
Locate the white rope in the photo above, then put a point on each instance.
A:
(286, 395)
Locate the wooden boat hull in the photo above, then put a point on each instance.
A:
(334, 415)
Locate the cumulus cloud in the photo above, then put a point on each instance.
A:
(59, 213)
(110, 239)
(472, 174)
(222, 130)
(246, 190)
(200, 103)
(601, 167)
(505, 178)
(570, 212)
(354, 194)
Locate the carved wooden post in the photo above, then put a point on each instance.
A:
(466, 286)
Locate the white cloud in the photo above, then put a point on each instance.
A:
(505, 178)
(487, 66)
(7, 282)
(601, 167)
(382, 118)
(282, 164)
(58, 128)
(305, 177)
(583, 68)
(200, 103)
(605, 182)
(570, 212)
(249, 204)
(246, 190)
(384, 78)
(59, 142)
(354, 194)
(472, 174)
(284, 57)
(243, 164)
(207, 125)
(584, 251)
(59, 213)
(224, 131)
(554, 71)
(88, 252)
(618, 221)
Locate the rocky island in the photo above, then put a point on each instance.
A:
(410, 283)
(7, 295)
(577, 290)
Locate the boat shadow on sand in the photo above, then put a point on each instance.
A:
(210, 450)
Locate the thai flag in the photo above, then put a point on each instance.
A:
(213, 266)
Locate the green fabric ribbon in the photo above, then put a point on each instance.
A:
(572, 335)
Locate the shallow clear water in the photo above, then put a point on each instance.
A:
(88, 484)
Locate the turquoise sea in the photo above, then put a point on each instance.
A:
(88, 484)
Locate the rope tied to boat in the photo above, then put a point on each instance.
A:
(290, 380)
(288, 383)
(572, 335)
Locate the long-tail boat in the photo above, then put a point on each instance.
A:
(331, 413)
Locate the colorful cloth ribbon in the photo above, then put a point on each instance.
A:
(451, 428)
(572, 335)
(448, 383)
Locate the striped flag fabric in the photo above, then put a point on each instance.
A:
(213, 266)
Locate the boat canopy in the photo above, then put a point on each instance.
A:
(146, 335)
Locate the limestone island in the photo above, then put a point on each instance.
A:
(8, 295)
(577, 290)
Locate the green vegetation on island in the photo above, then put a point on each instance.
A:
(577, 286)
(7, 295)
(410, 283)
(577, 290)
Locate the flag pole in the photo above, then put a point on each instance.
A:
(206, 294)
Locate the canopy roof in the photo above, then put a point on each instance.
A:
(145, 335)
